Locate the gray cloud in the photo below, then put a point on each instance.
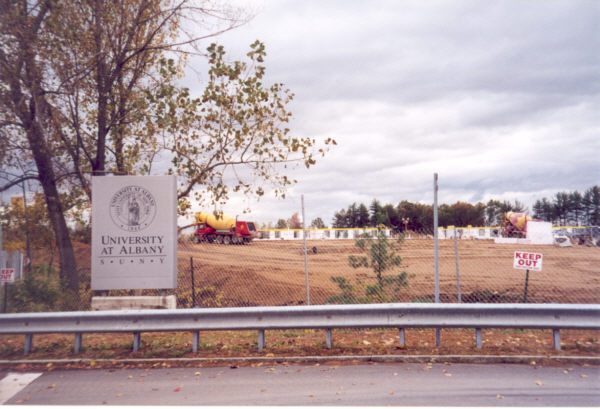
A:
(501, 98)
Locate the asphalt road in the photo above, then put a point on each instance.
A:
(356, 385)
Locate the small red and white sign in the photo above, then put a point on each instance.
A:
(7, 275)
(528, 261)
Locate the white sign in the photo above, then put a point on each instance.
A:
(528, 261)
(7, 275)
(134, 232)
(11, 266)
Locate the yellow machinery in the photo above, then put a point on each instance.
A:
(223, 222)
(515, 224)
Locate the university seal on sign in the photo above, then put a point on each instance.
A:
(132, 208)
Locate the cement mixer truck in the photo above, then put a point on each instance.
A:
(515, 224)
(223, 229)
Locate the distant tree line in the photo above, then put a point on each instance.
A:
(563, 208)
(566, 208)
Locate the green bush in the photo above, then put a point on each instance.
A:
(380, 256)
(41, 290)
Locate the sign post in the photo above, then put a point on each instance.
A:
(527, 261)
(526, 285)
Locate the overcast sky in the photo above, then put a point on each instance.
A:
(500, 98)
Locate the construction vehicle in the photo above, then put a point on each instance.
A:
(223, 229)
(587, 236)
(515, 224)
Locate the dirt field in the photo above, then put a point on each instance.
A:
(273, 272)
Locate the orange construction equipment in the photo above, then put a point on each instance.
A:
(515, 224)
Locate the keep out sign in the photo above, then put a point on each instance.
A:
(528, 261)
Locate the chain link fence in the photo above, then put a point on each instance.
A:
(344, 266)
(367, 265)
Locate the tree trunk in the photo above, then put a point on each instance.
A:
(68, 266)
(101, 80)
(31, 108)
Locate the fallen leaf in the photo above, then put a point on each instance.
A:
(118, 395)
(539, 383)
(197, 374)
(532, 363)
(395, 373)
(428, 367)
(177, 389)
(311, 396)
(92, 362)
(270, 354)
(52, 386)
(263, 390)
(583, 375)
(391, 392)
(499, 396)
(366, 342)
(447, 374)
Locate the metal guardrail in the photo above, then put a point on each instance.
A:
(328, 317)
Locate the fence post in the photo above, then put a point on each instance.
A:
(305, 252)
(5, 296)
(195, 341)
(328, 338)
(261, 340)
(401, 340)
(457, 268)
(78, 341)
(556, 339)
(193, 287)
(28, 344)
(136, 341)
(5, 291)
(436, 251)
